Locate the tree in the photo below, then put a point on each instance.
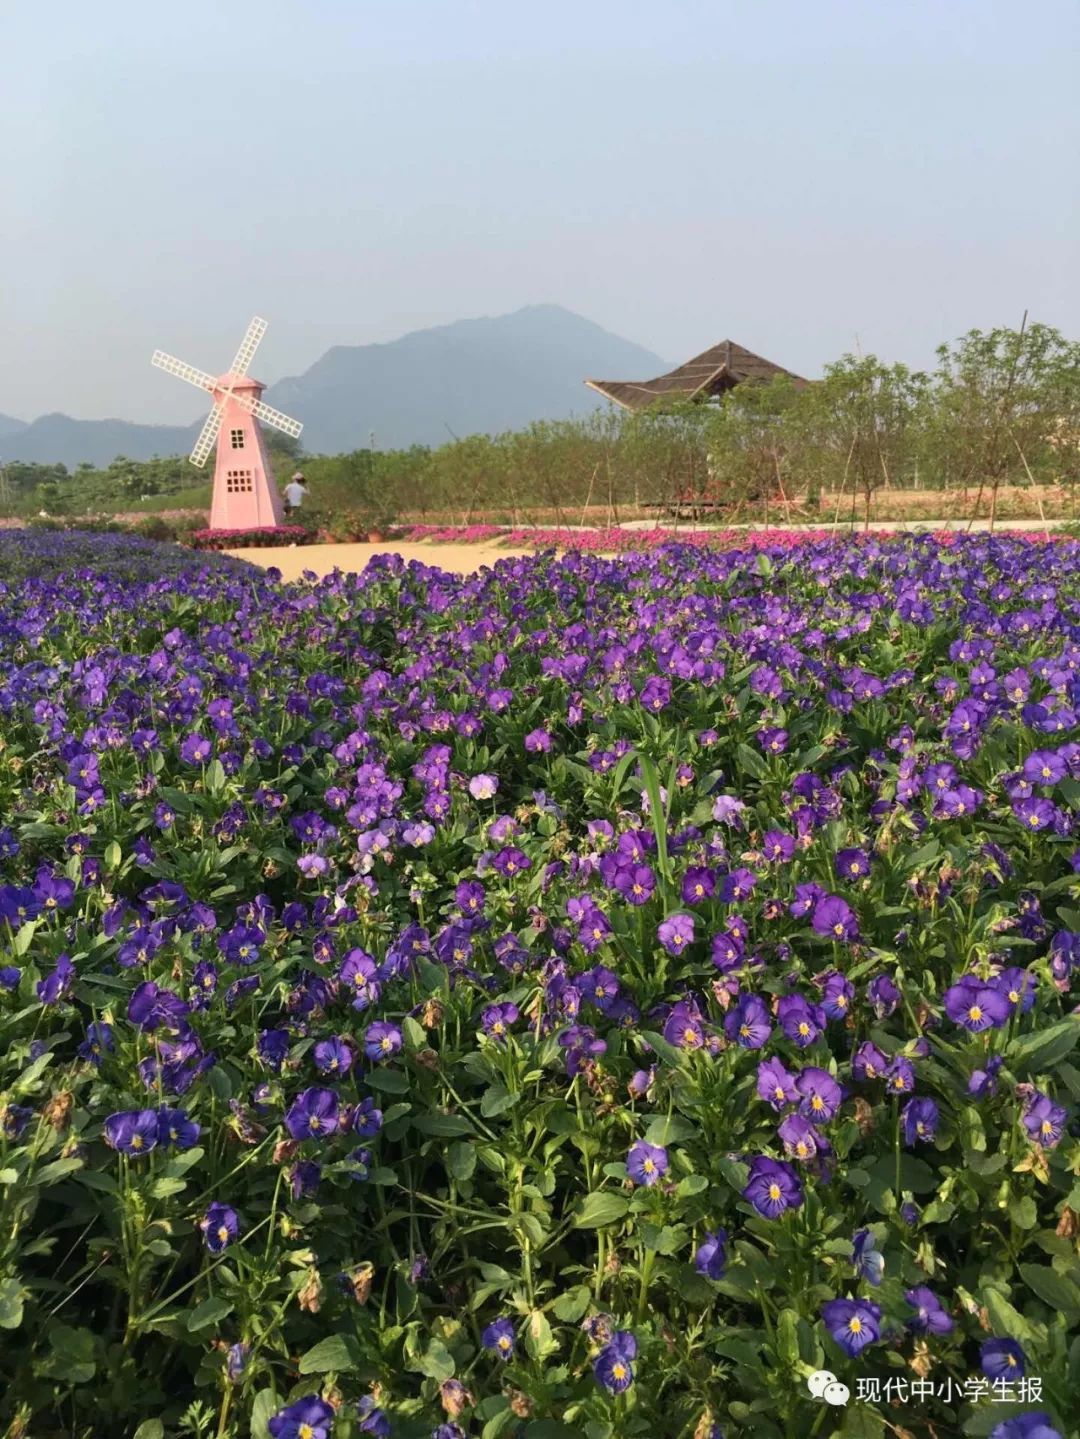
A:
(752, 437)
(1001, 401)
(862, 420)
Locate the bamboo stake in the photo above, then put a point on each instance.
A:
(843, 482)
(993, 432)
(783, 492)
(588, 497)
(1031, 477)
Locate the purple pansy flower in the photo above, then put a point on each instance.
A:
(646, 1163)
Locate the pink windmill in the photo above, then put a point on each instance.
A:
(245, 496)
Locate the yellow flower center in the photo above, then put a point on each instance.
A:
(774, 1191)
(855, 1325)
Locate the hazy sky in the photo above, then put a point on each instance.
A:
(791, 174)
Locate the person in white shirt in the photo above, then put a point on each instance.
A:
(295, 493)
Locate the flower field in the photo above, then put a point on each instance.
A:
(597, 997)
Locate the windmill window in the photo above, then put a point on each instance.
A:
(239, 482)
(237, 439)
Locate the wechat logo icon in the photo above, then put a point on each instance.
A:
(825, 1386)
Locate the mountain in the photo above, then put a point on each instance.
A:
(10, 426)
(470, 377)
(58, 439)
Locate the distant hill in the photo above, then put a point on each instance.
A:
(471, 377)
(58, 439)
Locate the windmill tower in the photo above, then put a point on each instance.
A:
(245, 496)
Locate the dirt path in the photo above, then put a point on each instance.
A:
(292, 561)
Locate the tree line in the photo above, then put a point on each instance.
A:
(1000, 407)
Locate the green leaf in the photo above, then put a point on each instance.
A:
(600, 1208)
(24, 937)
(1008, 1322)
(113, 855)
(691, 1184)
(444, 1126)
(57, 1170)
(862, 1423)
(150, 1429)
(1052, 1288)
(571, 1306)
(215, 777)
(750, 761)
(389, 1081)
(656, 814)
(1039, 1051)
(11, 1304)
(415, 1033)
(539, 1341)
(668, 1240)
(262, 1411)
(734, 1171)
(922, 856)
(665, 1051)
(27, 1081)
(620, 772)
(210, 1311)
(669, 1128)
(1022, 1211)
(337, 1354)
(787, 1337)
(163, 1188)
(98, 1179)
(72, 1358)
(436, 1362)
(461, 1161)
(499, 1422)
(497, 1099)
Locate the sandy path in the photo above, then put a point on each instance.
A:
(292, 561)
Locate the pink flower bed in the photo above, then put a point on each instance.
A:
(615, 540)
(620, 541)
(454, 534)
(264, 536)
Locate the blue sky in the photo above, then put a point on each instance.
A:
(801, 177)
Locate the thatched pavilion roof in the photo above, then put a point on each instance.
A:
(711, 373)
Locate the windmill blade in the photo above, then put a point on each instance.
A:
(248, 345)
(205, 443)
(172, 366)
(269, 415)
